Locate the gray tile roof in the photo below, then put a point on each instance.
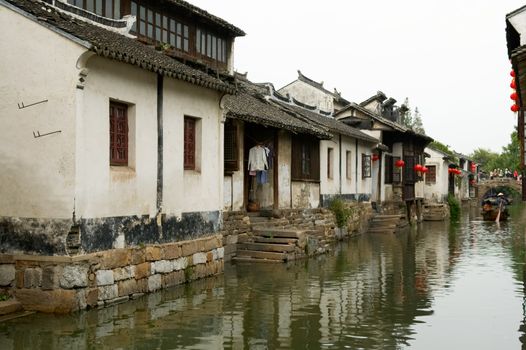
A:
(214, 19)
(118, 47)
(326, 122)
(250, 105)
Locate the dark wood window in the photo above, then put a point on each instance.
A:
(348, 163)
(388, 172)
(366, 166)
(305, 158)
(330, 163)
(409, 171)
(392, 173)
(230, 147)
(159, 27)
(189, 143)
(118, 134)
(431, 176)
(397, 172)
(104, 8)
(210, 45)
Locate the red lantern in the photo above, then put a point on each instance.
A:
(512, 73)
(473, 167)
(375, 157)
(515, 108)
(418, 167)
(459, 172)
(514, 96)
(512, 84)
(399, 163)
(472, 182)
(425, 169)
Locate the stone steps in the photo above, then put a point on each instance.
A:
(10, 306)
(261, 255)
(259, 239)
(277, 232)
(272, 240)
(384, 224)
(267, 247)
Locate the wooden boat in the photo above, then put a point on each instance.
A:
(490, 210)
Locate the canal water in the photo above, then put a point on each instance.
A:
(434, 286)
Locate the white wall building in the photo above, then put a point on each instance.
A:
(107, 142)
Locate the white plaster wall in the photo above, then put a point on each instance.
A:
(374, 106)
(284, 169)
(364, 185)
(305, 194)
(308, 94)
(330, 185)
(349, 181)
(200, 189)
(519, 23)
(37, 177)
(106, 190)
(436, 192)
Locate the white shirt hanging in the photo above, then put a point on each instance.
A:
(257, 159)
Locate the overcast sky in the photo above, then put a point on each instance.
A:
(448, 57)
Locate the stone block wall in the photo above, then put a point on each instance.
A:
(61, 284)
(237, 225)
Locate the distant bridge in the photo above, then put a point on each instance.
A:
(505, 185)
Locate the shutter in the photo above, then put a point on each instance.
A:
(189, 143)
(388, 172)
(409, 171)
(296, 158)
(397, 172)
(230, 147)
(118, 134)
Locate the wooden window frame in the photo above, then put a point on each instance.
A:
(330, 163)
(100, 7)
(230, 149)
(305, 159)
(348, 165)
(431, 176)
(118, 158)
(190, 133)
(210, 46)
(397, 172)
(366, 166)
(388, 172)
(164, 28)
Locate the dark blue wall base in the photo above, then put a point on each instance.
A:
(49, 236)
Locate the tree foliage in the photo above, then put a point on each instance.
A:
(412, 120)
(444, 148)
(509, 158)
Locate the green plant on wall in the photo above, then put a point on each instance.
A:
(340, 211)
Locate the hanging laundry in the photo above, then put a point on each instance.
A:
(262, 177)
(257, 158)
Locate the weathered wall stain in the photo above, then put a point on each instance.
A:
(42, 236)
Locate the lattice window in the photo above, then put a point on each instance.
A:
(230, 147)
(431, 176)
(118, 134)
(189, 143)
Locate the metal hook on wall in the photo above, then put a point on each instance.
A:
(21, 104)
(38, 134)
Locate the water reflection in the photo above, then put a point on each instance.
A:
(437, 284)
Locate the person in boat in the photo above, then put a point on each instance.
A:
(501, 199)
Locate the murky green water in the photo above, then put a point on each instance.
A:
(436, 286)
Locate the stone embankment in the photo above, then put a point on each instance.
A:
(61, 284)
